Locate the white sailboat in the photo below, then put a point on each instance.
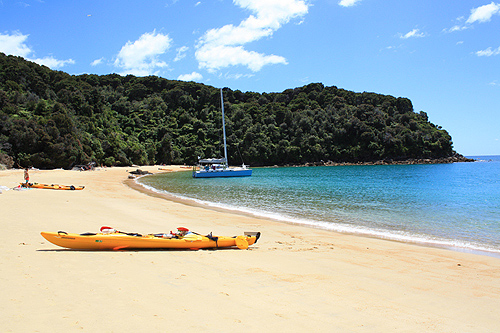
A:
(218, 167)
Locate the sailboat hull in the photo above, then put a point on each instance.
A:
(222, 173)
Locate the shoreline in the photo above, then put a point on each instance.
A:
(136, 185)
(411, 161)
(294, 279)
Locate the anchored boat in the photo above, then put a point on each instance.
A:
(218, 167)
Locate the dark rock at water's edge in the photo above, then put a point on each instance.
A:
(140, 172)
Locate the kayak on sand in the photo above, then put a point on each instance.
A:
(111, 239)
(52, 186)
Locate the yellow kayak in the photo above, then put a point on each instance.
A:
(110, 239)
(52, 186)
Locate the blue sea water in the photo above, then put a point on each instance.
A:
(450, 205)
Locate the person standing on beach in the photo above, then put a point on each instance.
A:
(26, 175)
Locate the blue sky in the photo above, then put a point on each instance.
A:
(444, 55)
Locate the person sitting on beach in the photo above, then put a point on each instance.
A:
(26, 175)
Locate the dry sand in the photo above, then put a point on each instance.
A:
(295, 279)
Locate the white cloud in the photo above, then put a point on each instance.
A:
(480, 14)
(348, 3)
(223, 47)
(222, 56)
(97, 62)
(15, 44)
(141, 57)
(181, 53)
(456, 28)
(237, 76)
(413, 33)
(173, 2)
(483, 13)
(488, 52)
(53, 63)
(190, 77)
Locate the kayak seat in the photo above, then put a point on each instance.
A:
(131, 234)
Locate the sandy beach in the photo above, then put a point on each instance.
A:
(295, 279)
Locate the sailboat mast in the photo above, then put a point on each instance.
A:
(223, 127)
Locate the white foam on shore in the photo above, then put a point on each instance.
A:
(393, 235)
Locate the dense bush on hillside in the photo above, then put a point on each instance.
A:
(51, 119)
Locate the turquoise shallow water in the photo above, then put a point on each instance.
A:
(451, 205)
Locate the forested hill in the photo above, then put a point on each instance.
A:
(51, 119)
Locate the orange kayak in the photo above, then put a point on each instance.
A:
(119, 240)
(52, 186)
